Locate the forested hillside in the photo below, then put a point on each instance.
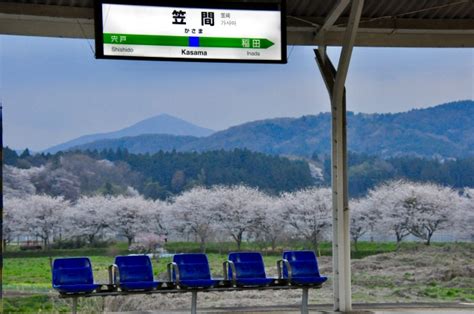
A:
(166, 174)
(442, 131)
(366, 172)
(155, 176)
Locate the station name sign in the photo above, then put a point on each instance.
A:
(225, 31)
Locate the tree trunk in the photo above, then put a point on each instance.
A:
(315, 245)
(202, 246)
(91, 239)
(239, 244)
(399, 241)
(130, 240)
(428, 240)
(239, 241)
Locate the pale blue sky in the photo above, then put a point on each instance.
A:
(54, 90)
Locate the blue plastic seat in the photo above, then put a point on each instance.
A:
(249, 269)
(193, 270)
(304, 268)
(73, 275)
(135, 273)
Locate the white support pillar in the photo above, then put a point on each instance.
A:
(335, 83)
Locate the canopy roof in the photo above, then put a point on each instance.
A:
(384, 23)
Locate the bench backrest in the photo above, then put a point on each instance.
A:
(247, 265)
(192, 266)
(134, 268)
(303, 264)
(72, 271)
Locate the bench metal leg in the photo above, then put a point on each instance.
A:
(304, 301)
(74, 305)
(194, 302)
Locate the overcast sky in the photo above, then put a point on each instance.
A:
(54, 90)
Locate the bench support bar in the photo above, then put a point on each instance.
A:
(194, 302)
(74, 305)
(304, 301)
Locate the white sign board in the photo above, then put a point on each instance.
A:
(226, 31)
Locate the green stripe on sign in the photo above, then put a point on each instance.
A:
(223, 42)
(183, 41)
(149, 40)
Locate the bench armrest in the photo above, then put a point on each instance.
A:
(173, 267)
(280, 269)
(113, 271)
(225, 267)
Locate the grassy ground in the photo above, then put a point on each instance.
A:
(442, 272)
(364, 249)
(325, 248)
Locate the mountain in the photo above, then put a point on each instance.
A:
(161, 124)
(443, 131)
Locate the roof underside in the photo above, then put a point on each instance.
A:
(384, 23)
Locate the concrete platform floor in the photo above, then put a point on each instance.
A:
(385, 308)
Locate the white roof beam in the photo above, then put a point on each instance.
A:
(335, 13)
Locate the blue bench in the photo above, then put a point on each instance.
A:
(300, 268)
(135, 272)
(73, 277)
(191, 271)
(246, 269)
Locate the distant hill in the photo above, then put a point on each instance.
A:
(443, 131)
(161, 124)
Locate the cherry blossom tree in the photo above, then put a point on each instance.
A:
(17, 182)
(362, 219)
(237, 210)
(89, 217)
(193, 212)
(147, 243)
(11, 219)
(419, 209)
(386, 205)
(308, 212)
(465, 215)
(127, 216)
(40, 216)
(270, 224)
(432, 208)
(156, 214)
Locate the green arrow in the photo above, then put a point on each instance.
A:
(223, 42)
(151, 40)
(183, 41)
